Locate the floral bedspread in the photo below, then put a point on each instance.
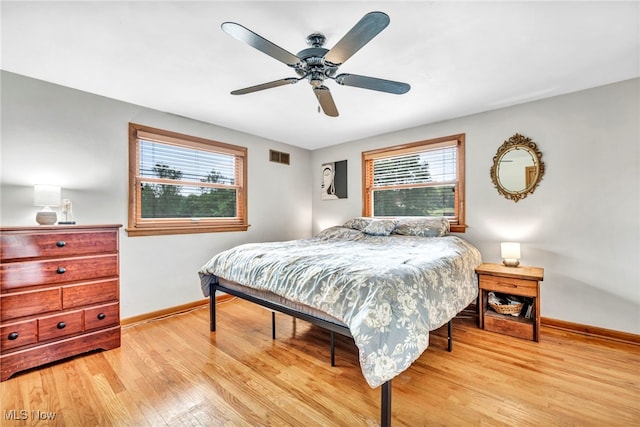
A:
(389, 290)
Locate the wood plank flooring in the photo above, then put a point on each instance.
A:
(174, 372)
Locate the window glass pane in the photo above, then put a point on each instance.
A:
(184, 201)
(423, 201)
(185, 164)
(437, 165)
(423, 178)
(182, 184)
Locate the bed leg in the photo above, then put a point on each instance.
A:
(333, 348)
(212, 311)
(385, 405)
(273, 325)
(450, 336)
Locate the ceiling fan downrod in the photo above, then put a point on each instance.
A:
(316, 40)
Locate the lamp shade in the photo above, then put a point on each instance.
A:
(510, 250)
(510, 253)
(46, 195)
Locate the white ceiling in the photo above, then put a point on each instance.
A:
(459, 58)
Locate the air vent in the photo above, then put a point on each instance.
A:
(279, 157)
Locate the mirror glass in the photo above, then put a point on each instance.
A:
(517, 167)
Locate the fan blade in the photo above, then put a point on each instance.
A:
(263, 45)
(326, 100)
(366, 29)
(373, 83)
(263, 86)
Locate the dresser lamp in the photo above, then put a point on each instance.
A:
(46, 196)
(510, 253)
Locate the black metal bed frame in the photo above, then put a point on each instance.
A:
(385, 405)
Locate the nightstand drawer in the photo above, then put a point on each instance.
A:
(60, 325)
(20, 304)
(32, 245)
(18, 334)
(33, 273)
(102, 316)
(89, 293)
(509, 285)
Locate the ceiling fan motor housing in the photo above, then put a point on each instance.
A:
(312, 64)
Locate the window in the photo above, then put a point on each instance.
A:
(182, 184)
(424, 178)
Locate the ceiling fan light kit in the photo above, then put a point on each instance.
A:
(317, 64)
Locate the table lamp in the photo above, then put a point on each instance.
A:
(46, 196)
(510, 253)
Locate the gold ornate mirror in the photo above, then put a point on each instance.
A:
(517, 167)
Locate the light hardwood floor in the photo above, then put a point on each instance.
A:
(174, 372)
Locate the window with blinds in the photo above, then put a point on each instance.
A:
(419, 179)
(184, 184)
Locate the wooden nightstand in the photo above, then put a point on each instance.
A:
(520, 281)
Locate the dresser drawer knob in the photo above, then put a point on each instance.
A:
(13, 336)
(61, 270)
(61, 243)
(101, 316)
(61, 325)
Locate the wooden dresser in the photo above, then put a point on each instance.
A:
(59, 293)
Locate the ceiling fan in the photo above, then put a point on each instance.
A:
(316, 64)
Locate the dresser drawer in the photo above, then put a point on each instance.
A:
(32, 273)
(89, 293)
(62, 244)
(18, 334)
(19, 304)
(60, 325)
(101, 316)
(509, 285)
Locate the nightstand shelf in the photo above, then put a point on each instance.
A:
(523, 282)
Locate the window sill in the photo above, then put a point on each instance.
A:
(458, 228)
(161, 231)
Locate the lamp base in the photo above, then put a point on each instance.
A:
(510, 262)
(46, 217)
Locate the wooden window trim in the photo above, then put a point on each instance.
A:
(457, 226)
(137, 227)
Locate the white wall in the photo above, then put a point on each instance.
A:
(52, 134)
(582, 224)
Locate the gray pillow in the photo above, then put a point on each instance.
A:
(428, 226)
(372, 226)
(380, 227)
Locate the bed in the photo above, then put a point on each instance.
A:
(385, 282)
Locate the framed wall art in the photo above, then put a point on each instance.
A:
(334, 180)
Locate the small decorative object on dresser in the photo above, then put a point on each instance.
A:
(59, 293)
(520, 284)
(67, 213)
